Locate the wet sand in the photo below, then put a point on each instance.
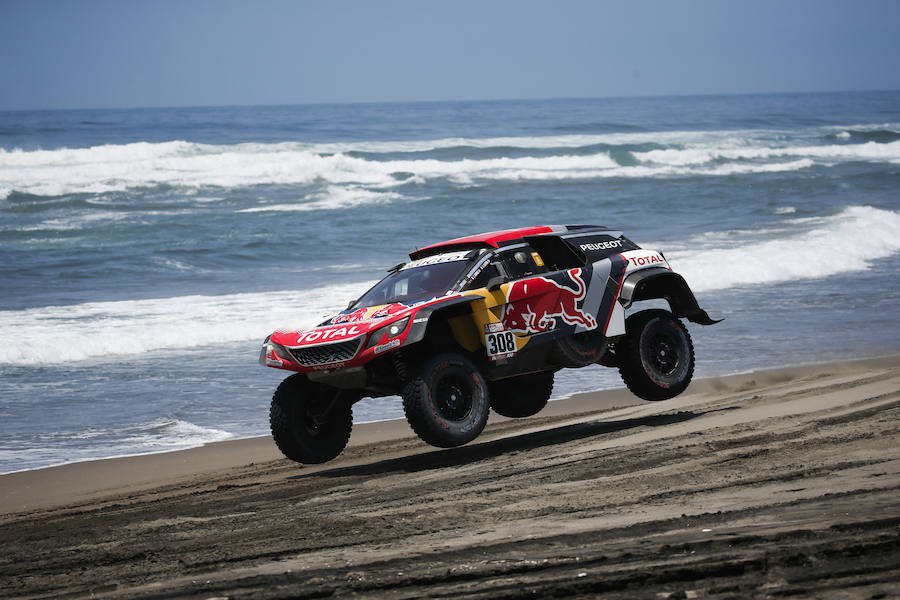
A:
(777, 483)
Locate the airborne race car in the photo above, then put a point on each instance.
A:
(481, 323)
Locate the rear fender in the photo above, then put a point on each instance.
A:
(657, 282)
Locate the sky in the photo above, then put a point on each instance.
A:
(130, 53)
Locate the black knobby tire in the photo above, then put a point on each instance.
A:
(310, 422)
(521, 396)
(656, 357)
(446, 401)
(579, 350)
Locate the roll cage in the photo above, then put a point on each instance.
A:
(484, 267)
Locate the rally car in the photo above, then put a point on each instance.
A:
(480, 323)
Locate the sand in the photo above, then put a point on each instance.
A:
(777, 483)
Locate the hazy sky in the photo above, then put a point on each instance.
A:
(124, 53)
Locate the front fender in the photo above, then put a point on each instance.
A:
(421, 318)
(658, 282)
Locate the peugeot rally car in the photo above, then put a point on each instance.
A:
(480, 323)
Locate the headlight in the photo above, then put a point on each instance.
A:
(273, 355)
(384, 334)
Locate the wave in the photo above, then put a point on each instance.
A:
(869, 151)
(168, 433)
(804, 248)
(332, 198)
(24, 453)
(793, 249)
(108, 330)
(880, 135)
(376, 166)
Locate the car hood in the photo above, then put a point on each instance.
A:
(346, 325)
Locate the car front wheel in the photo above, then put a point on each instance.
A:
(310, 422)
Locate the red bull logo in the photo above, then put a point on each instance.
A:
(356, 315)
(533, 305)
(366, 313)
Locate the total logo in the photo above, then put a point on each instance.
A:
(322, 335)
(643, 260)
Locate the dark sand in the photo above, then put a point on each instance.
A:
(782, 483)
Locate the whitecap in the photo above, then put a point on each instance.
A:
(170, 433)
(191, 166)
(803, 248)
(332, 198)
(111, 330)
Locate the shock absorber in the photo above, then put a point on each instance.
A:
(400, 366)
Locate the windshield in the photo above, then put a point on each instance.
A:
(419, 280)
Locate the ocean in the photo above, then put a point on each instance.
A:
(146, 253)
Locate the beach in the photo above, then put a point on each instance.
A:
(188, 191)
(146, 253)
(781, 482)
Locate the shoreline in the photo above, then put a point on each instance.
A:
(83, 481)
(565, 398)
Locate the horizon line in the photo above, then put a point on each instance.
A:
(457, 101)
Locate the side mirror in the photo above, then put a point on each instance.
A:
(495, 282)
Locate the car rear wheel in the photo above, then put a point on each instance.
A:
(521, 396)
(310, 422)
(446, 402)
(579, 349)
(656, 357)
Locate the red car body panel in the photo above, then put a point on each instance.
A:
(347, 327)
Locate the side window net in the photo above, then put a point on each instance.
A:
(482, 279)
(557, 253)
(521, 264)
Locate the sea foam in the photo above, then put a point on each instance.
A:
(334, 197)
(375, 166)
(102, 442)
(802, 248)
(839, 152)
(807, 248)
(108, 330)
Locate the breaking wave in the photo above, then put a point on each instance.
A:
(796, 248)
(377, 166)
(160, 435)
(332, 198)
(804, 248)
(839, 152)
(99, 330)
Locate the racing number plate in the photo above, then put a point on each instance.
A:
(500, 344)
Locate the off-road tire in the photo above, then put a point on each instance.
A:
(579, 350)
(521, 396)
(300, 431)
(446, 401)
(656, 356)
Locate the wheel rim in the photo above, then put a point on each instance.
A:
(312, 428)
(453, 396)
(662, 355)
(315, 418)
(664, 351)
